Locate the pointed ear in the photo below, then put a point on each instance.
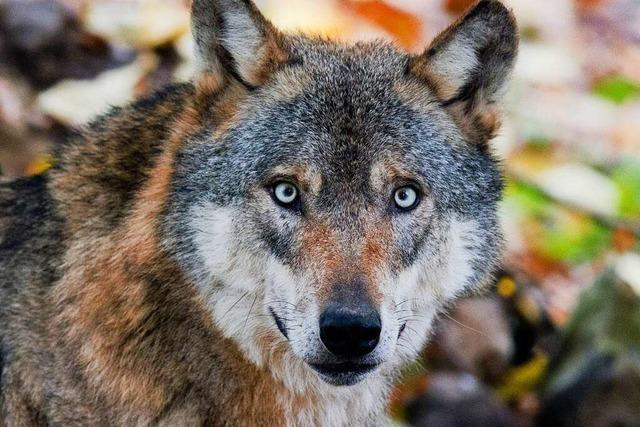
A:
(469, 65)
(233, 38)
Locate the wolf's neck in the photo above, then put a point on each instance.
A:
(307, 400)
(362, 404)
(99, 171)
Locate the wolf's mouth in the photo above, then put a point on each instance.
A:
(343, 368)
(346, 373)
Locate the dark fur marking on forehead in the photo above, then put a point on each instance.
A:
(293, 61)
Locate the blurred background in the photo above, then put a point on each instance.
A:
(557, 340)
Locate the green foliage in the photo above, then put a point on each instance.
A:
(526, 198)
(574, 239)
(539, 142)
(556, 232)
(627, 178)
(617, 89)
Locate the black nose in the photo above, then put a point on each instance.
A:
(350, 331)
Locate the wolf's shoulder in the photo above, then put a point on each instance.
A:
(31, 235)
(111, 152)
(99, 171)
(24, 202)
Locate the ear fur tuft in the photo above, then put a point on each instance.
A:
(469, 65)
(233, 38)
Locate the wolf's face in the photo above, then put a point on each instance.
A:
(349, 196)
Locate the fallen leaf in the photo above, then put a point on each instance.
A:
(617, 89)
(403, 26)
(524, 379)
(457, 6)
(139, 23)
(38, 165)
(75, 102)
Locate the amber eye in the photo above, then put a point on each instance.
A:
(406, 198)
(285, 193)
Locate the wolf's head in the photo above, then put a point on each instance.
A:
(338, 197)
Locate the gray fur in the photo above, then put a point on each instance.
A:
(347, 118)
(118, 306)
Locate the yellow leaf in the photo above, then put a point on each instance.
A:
(506, 287)
(525, 378)
(38, 166)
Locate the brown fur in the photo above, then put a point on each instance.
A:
(112, 320)
(99, 325)
(319, 244)
(334, 267)
(373, 255)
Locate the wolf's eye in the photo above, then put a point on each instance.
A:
(406, 198)
(285, 193)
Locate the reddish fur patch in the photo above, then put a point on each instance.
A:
(374, 256)
(439, 86)
(306, 178)
(321, 252)
(102, 316)
(320, 249)
(227, 110)
(271, 57)
(109, 304)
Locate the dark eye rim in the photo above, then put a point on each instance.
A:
(295, 204)
(415, 204)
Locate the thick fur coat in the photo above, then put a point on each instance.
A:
(157, 275)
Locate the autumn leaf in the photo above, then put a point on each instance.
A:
(403, 26)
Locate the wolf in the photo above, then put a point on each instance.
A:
(266, 245)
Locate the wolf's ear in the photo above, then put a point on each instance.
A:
(232, 37)
(469, 64)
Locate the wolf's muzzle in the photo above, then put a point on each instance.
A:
(350, 331)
